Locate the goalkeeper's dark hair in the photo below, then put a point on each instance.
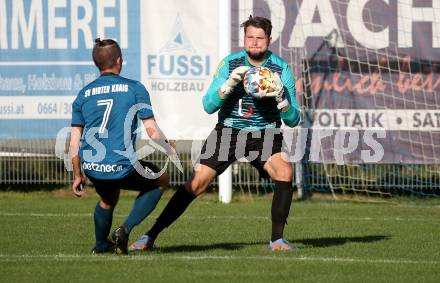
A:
(258, 22)
(105, 53)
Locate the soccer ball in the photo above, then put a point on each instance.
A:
(258, 82)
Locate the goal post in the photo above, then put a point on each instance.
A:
(224, 34)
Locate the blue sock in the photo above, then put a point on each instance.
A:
(142, 207)
(103, 223)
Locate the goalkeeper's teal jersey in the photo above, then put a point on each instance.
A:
(108, 109)
(242, 111)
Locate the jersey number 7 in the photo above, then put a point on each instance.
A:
(108, 103)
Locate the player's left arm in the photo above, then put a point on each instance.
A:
(153, 130)
(156, 134)
(145, 113)
(289, 108)
(75, 139)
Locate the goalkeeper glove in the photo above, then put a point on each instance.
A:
(278, 92)
(234, 78)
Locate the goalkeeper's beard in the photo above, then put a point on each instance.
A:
(256, 56)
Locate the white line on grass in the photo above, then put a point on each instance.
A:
(32, 214)
(73, 257)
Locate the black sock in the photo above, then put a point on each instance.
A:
(174, 208)
(282, 199)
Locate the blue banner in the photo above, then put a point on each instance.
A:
(46, 58)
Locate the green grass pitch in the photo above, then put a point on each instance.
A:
(47, 236)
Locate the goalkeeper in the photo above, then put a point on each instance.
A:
(106, 153)
(248, 128)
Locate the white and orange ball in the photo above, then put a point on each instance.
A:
(258, 82)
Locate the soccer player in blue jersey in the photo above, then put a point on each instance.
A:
(245, 124)
(104, 119)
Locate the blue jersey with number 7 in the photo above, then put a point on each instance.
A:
(108, 109)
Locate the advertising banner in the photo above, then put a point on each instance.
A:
(178, 58)
(45, 58)
(358, 28)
